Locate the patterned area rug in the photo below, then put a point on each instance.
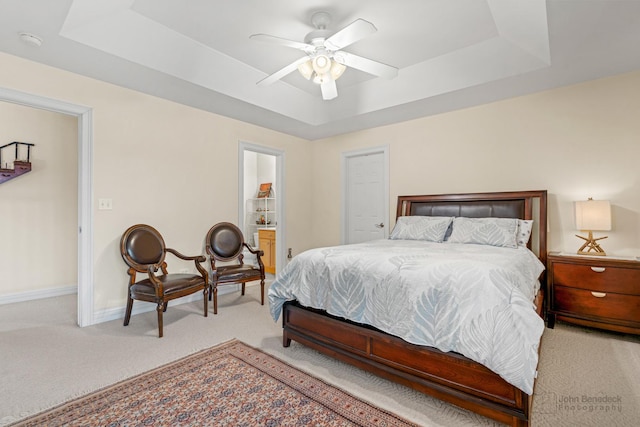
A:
(231, 384)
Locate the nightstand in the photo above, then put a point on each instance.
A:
(601, 292)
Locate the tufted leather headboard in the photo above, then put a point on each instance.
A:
(511, 204)
(470, 209)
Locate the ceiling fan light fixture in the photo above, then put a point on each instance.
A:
(320, 78)
(325, 59)
(306, 69)
(337, 69)
(321, 64)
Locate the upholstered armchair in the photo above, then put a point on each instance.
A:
(143, 250)
(224, 245)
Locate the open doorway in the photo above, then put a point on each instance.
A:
(39, 211)
(261, 215)
(85, 219)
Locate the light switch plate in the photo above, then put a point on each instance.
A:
(105, 204)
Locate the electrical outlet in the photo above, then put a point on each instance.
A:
(105, 204)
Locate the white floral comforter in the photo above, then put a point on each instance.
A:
(472, 299)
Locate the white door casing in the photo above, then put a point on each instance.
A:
(85, 189)
(280, 198)
(365, 195)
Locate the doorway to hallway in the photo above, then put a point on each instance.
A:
(84, 117)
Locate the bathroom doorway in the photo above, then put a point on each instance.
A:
(261, 216)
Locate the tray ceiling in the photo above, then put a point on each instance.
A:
(451, 54)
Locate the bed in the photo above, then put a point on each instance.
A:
(452, 369)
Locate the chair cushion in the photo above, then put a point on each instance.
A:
(170, 282)
(233, 273)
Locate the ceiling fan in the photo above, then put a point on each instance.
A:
(325, 61)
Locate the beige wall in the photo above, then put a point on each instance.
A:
(175, 167)
(161, 163)
(576, 142)
(39, 210)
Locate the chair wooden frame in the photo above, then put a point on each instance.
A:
(143, 250)
(225, 244)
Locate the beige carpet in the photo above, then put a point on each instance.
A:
(231, 384)
(586, 377)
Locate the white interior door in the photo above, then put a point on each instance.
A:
(366, 195)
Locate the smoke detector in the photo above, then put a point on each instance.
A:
(30, 39)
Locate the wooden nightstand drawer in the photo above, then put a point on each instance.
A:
(597, 277)
(597, 304)
(601, 292)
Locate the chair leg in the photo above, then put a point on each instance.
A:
(206, 300)
(214, 290)
(160, 309)
(127, 314)
(262, 292)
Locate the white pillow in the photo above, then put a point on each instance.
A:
(524, 231)
(485, 231)
(429, 228)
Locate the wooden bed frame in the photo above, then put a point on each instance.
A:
(450, 376)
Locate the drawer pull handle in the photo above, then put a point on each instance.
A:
(598, 269)
(599, 294)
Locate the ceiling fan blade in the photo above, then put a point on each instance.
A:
(283, 42)
(367, 65)
(282, 72)
(329, 89)
(353, 32)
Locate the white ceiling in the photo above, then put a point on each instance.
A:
(451, 54)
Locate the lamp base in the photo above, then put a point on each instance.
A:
(591, 246)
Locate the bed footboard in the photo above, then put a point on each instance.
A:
(450, 377)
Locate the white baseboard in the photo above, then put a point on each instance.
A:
(38, 294)
(108, 314)
(116, 313)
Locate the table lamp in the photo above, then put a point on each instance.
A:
(592, 215)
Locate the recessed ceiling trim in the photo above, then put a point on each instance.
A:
(530, 31)
(145, 42)
(521, 46)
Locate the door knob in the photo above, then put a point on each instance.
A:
(380, 225)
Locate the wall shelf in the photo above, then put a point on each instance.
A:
(260, 215)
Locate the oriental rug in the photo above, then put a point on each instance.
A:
(231, 384)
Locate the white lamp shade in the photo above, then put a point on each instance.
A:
(337, 69)
(321, 64)
(593, 215)
(306, 69)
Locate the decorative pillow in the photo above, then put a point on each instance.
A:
(485, 231)
(524, 231)
(429, 228)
